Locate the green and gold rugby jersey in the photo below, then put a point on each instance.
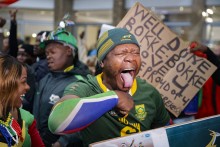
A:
(149, 111)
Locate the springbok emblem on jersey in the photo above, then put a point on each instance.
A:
(214, 136)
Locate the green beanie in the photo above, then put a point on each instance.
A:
(111, 38)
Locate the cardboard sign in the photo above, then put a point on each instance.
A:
(166, 62)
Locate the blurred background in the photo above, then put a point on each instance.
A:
(190, 19)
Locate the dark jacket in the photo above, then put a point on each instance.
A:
(40, 69)
(50, 90)
(214, 60)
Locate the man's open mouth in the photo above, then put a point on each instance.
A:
(127, 76)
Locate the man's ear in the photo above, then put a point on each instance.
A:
(101, 64)
(69, 51)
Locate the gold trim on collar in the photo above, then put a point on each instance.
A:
(99, 79)
(105, 89)
(69, 68)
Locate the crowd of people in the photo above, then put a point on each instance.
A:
(50, 97)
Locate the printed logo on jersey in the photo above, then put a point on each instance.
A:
(214, 135)
(112, 113)
(54, 98)
(130, 127)
(140, 112)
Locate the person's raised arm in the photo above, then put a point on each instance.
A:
(2, 23)
(13, 42)
(204, 51)
(73, 114)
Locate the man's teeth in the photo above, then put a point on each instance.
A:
(128, 69)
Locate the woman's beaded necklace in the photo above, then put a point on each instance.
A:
(10, 129)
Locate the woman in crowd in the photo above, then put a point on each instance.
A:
(17, 126)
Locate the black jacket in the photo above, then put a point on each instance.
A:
(50, 90)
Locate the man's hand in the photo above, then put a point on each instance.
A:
(125, 102)
(195, 46)
(2, 22)
(13, 14)
(198, 49)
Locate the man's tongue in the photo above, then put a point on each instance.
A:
(128, 80)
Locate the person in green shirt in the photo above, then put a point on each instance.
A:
(114, 103)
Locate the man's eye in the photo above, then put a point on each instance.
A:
(119, 53)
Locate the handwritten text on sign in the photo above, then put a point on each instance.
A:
(166, 62)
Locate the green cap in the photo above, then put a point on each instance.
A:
(111, 38)
(62, 36)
